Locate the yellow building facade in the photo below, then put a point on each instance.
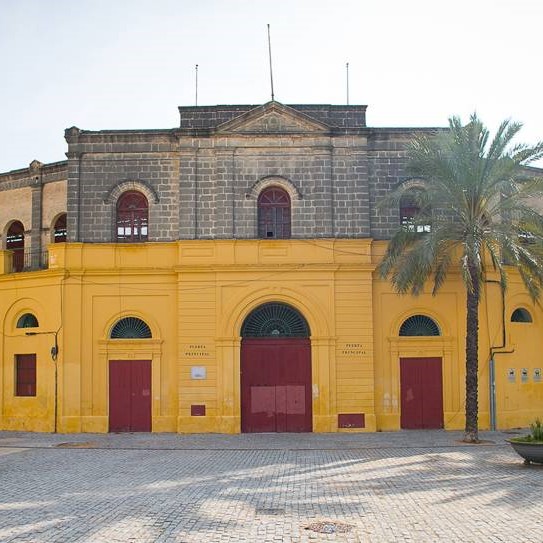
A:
(221, 277)
(195, 296)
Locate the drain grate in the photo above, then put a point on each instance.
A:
(271, 511)
(76, 445)
(329, 527)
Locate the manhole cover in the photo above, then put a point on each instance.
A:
(329, 527)
(76, 445)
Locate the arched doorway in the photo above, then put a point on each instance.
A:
(275, 371)
(421, 380)
(15, 241)
(130, 382)
(59, 229)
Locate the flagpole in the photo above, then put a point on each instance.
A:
(196, 82)
(271, 72)
(347, 69)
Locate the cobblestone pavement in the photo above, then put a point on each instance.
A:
(259, 488)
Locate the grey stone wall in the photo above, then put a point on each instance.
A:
(209, 117)
(202, 180)
(102, 164)
(386, 171)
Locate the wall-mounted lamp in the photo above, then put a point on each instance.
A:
(54, 348)
(54, 356)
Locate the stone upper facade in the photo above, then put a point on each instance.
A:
(202, 180)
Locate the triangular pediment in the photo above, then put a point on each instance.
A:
(273, 118)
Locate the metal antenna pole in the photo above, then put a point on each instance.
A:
(196, 73)
(347, 69)
(271, 72)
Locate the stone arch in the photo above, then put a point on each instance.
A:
(274, 180)
(411, 183)
(113, 194)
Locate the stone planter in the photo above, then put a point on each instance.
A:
(530, 451)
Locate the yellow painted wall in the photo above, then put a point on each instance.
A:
(195, 295)
(519, 366)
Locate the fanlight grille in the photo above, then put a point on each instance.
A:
(27, 321)
(130, 328)
(419, 325)
(521, 315)
(275, 320)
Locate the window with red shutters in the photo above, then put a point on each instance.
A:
(274, 214)
(132, 217)
(412, 218)
(25, 375)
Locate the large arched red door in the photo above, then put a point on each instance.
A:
(276, 371)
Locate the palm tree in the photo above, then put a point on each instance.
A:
(478, 192)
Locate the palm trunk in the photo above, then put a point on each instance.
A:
(472, 350)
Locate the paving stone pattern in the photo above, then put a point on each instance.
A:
(404, 486)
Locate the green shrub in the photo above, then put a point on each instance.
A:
(537, 430)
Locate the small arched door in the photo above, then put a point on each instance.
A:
(275, 371)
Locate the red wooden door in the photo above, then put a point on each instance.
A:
(276, 385)
(421, 393)
(130, 396)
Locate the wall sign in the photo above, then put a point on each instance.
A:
(511, 375)
(537, 375)
(524, 375)
(198, 372)
(352, 349)
(196, 350)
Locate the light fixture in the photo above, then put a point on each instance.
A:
(54, 348)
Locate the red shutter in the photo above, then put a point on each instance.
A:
(25, 370)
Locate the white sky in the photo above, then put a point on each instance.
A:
(114, 64)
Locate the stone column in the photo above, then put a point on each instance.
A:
(34, 258)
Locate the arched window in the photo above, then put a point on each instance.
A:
(15, 241)
(132, 217)
(275, 320)
(130, 328)
(59, 229)
(28, 320)
(274, 214)
(521, 315)
(419, 325)
(412, 216)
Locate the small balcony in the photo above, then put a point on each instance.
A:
(22, 260)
